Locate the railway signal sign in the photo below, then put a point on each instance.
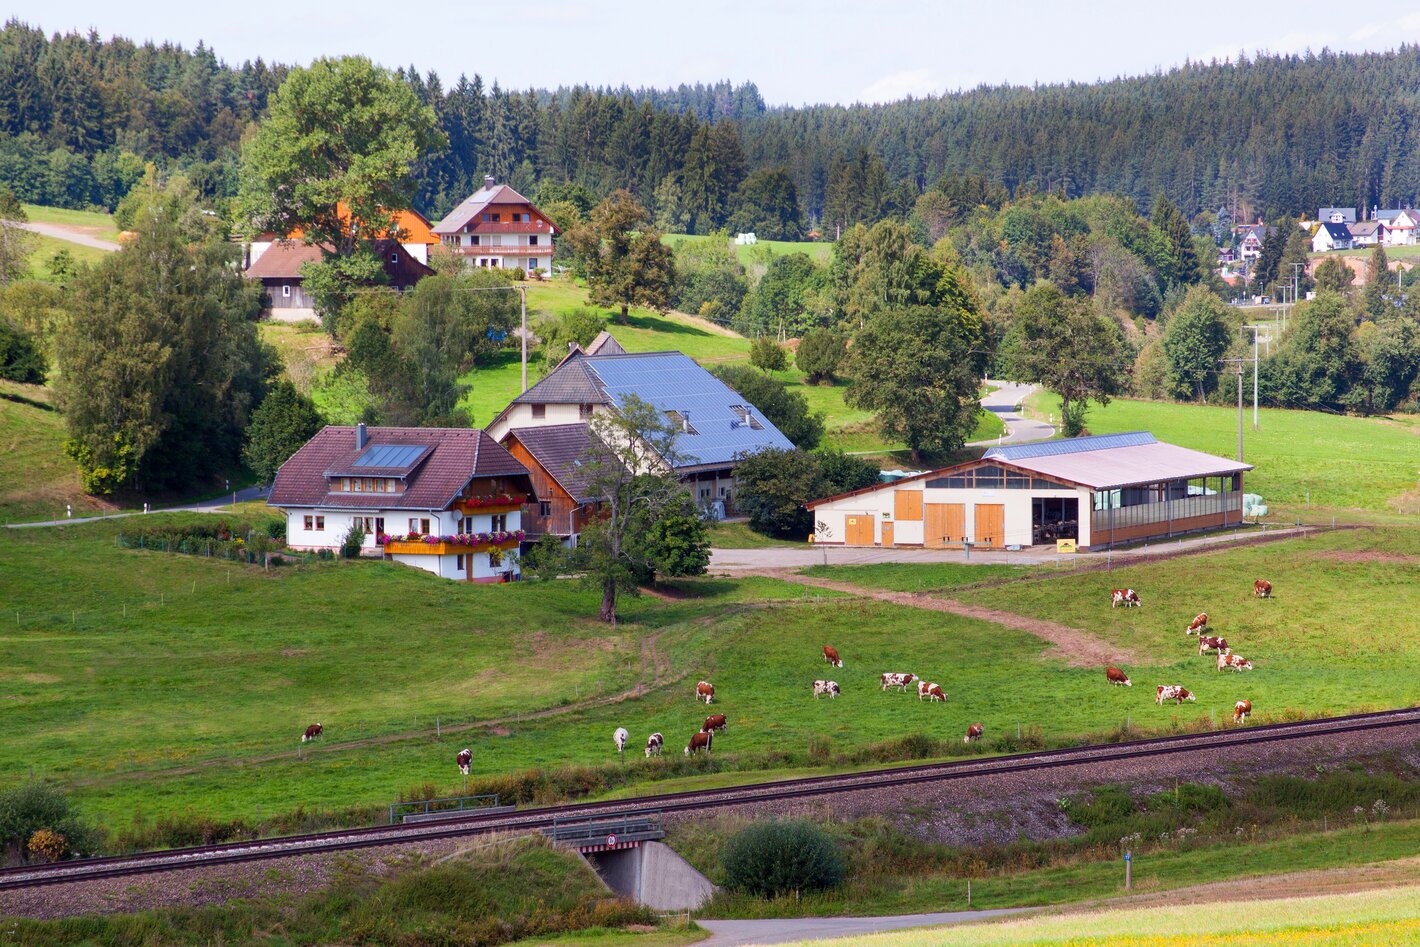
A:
(611, 839)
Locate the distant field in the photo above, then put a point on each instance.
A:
(1344, 462)
(93, 224)
(114, 647)
(819, 251)
(46, 247)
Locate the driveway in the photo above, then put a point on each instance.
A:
(60, 232)
(201, 506)
(793, 930)
(1005, 403)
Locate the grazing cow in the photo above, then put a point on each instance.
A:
(1198, 625)
(705, 691)
(713, 722)
(830, 654)
(699, 741)
(825, 687)
(1241, 710)
(1115, 676)
(1262, 588)
(1235, 661)
(930, 691)
(973, 733)
(464, 759)
(1208, 643)
(313, 731)
(900, 681)
(621, 736)
(1126, 597)
(653, 744)
(1174, 692)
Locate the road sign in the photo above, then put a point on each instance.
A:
(611, 839)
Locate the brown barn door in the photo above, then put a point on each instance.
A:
(887, 533)
(990, 525)
(943, 525)
(860, 529)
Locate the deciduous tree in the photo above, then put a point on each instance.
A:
(820, 353)
(622, 256)
(1197, 335)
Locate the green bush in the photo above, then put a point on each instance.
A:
(776, 857)
(34, 806)
(350, 545)
(820, 353)
(768, 355)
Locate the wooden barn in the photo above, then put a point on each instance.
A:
(1098, 491)
(553, 456)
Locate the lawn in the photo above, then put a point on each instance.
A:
(91, 223)
(113, 650)
(917, 577)
(738, 535)
(819, 251)
(36, 479)
(1329, 460)
(46, 247)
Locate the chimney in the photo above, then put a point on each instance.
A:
(685, 422)
(361, 437)
(749, 416)
(488, 182)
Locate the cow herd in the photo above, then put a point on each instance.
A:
(1207, 643)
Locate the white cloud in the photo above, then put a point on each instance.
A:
(1411, 21)
(1365, 32)
(899, 85)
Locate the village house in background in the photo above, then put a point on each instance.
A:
(446, 500)
(498, 227)
(1098, 491)
(717, 425)
(277, 261)
(1331, 235)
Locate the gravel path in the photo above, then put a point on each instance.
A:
(1071, 645)
(73, 235)
(1005, 403)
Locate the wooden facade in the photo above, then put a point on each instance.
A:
(557, 511)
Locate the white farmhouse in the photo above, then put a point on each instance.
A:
(446, 500)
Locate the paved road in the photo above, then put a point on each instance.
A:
(60, 232)
(793, 930)
(202, 506)
(1005, 403)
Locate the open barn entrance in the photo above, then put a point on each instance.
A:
(1054, 518)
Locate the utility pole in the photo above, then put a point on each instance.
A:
(1240, 362)
(1256, 331)
(523, 294)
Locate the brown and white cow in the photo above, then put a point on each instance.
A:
(464, 759)
(1241, 710)
(653, 744)
(1126, 597)
(1174, 692)
(699, 741)
(825, 687)
(900, 681)
(1262, 588)
(830, 654)
(313, 731)
(705, 691)
(930, 691)
(1235, 661)
(973, 733)
(713, 722)
(1115, 676)
(1198, 625)
(1208, 643)
(619, 738)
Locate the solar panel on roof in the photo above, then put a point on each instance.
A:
(389, 455)
(1075, 445)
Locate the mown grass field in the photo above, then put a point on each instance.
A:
(154, 683)
(818, 251)
(1338, 462)
(36, 479)
(46, 247)
(92, 223)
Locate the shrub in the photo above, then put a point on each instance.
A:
(767, 354)
(820, 353)
(20, 356)
(775, 857)
(36, 813)
(350, 545)
(47, 846)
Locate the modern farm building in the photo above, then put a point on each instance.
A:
(1098, 491)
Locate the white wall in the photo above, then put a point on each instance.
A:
(520, 415)
(444, 523)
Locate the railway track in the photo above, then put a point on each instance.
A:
(532, 820)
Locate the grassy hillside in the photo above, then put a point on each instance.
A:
(36, 479)
(819, 251)
(114, 648)
(1343, 462)
(46, 247)
(92, 223)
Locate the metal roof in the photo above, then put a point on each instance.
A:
(1125, 464)
(1073, 445)
(390, 455)
(672, 381)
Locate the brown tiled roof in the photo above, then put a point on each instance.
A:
(457, 456)
(284, 259)
(477, 202)
(560, 449)
(572, 382)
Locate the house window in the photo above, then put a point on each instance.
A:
(391, 485)
(368, 525)
(539, 410)
(458, 562)
(320, 524)
(532, 264)
(532, 240)
(286, 290)
(500, 522)
(476, 239)
(420, 526)
(704, 493)
(466, 524)
(495, 218)
(486, 217)
(310, 523)
(544, 508)
(358, 484)
(394, 257)
(344, 484)
(584, 411)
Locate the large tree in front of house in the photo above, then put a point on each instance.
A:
(1061, 343)
(334, 158)
(622, 256)
(648, 524)
(1195, 338)
(280, 426)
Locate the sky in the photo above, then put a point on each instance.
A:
(797, 52)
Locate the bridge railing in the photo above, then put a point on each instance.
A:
(401, 811)
(596, 830)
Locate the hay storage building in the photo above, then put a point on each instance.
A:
(1099, 491)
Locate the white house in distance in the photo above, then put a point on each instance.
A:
(1099, 491)
(1331, 236)
(500, 228)
(446, 500)
(1400, 225)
